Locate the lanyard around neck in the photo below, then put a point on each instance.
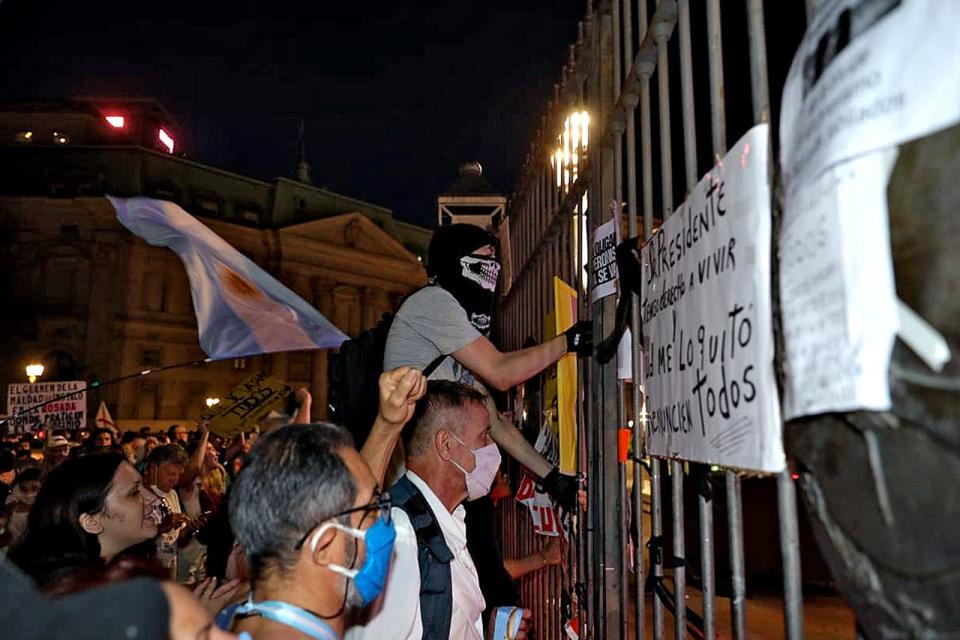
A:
(289, 615)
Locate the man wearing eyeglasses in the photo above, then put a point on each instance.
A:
(432, 591)
(316, 531)
(314, 526)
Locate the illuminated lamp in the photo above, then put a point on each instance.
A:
(165, 140)
(117, 122)
(34, 371)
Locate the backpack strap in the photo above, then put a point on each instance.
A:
(434, 364)
(433, 558)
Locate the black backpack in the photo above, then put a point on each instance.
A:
(352, 375)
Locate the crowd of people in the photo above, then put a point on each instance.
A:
(298, 531)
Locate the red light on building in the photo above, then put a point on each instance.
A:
(117, 122)
(165, 140)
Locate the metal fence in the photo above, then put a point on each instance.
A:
(635, 64)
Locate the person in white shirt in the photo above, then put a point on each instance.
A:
(164, 467)
(432, 590)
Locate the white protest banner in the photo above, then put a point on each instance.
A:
(542, 511)
(837, 293)
(706, 313)
(603, 268)
(868, 74)
(69, 413)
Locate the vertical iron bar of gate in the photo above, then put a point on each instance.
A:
(589, 556)
(545, 299)
(732, 480)
(704, 501)
(646, 142)
(607, 399)
(786, 491)
(630, 104)
(661, 36)
(620, 63)
(552, 270)
(545, 259)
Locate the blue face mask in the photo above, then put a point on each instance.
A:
(378, 540)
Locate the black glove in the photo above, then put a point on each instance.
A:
(580, 339)
(563, 489)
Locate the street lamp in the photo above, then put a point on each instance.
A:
(212, 401)
(34, 371)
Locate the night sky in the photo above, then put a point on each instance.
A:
(395, 95)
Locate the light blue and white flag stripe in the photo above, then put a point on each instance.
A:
(241, 309)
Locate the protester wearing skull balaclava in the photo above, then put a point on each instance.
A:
(454, 264)
(442, 330)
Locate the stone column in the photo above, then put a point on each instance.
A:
(346, 312)
(374, 304)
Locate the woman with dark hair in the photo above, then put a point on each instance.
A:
(89, 510)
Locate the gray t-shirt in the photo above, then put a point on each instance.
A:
(431, 323)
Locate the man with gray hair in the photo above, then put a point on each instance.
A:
(300, 509)
(432, 591)
(316, 529)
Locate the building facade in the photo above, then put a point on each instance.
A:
(90, 301)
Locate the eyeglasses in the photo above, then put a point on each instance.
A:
(381, 503)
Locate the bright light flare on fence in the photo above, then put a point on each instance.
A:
(117, 122)
(571, 148)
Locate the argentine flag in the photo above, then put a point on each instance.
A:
(241, 309)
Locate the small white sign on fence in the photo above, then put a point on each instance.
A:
(603, 268)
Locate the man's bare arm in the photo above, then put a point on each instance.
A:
(399, 391)
(502, 370)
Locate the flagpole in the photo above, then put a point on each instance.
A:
(96, 384)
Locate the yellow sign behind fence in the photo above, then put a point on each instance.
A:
(565, 312)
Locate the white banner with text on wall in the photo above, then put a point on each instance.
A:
(706, 310)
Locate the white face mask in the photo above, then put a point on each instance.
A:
(486, 465)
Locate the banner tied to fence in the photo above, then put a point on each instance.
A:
(706, 312)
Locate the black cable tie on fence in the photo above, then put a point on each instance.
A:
(655, 544)
(675, 561)
(581, 589)
(641, 462)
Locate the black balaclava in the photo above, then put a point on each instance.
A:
(471, 279)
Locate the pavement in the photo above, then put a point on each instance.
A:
(825, 616)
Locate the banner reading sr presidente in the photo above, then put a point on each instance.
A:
(706, 311)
